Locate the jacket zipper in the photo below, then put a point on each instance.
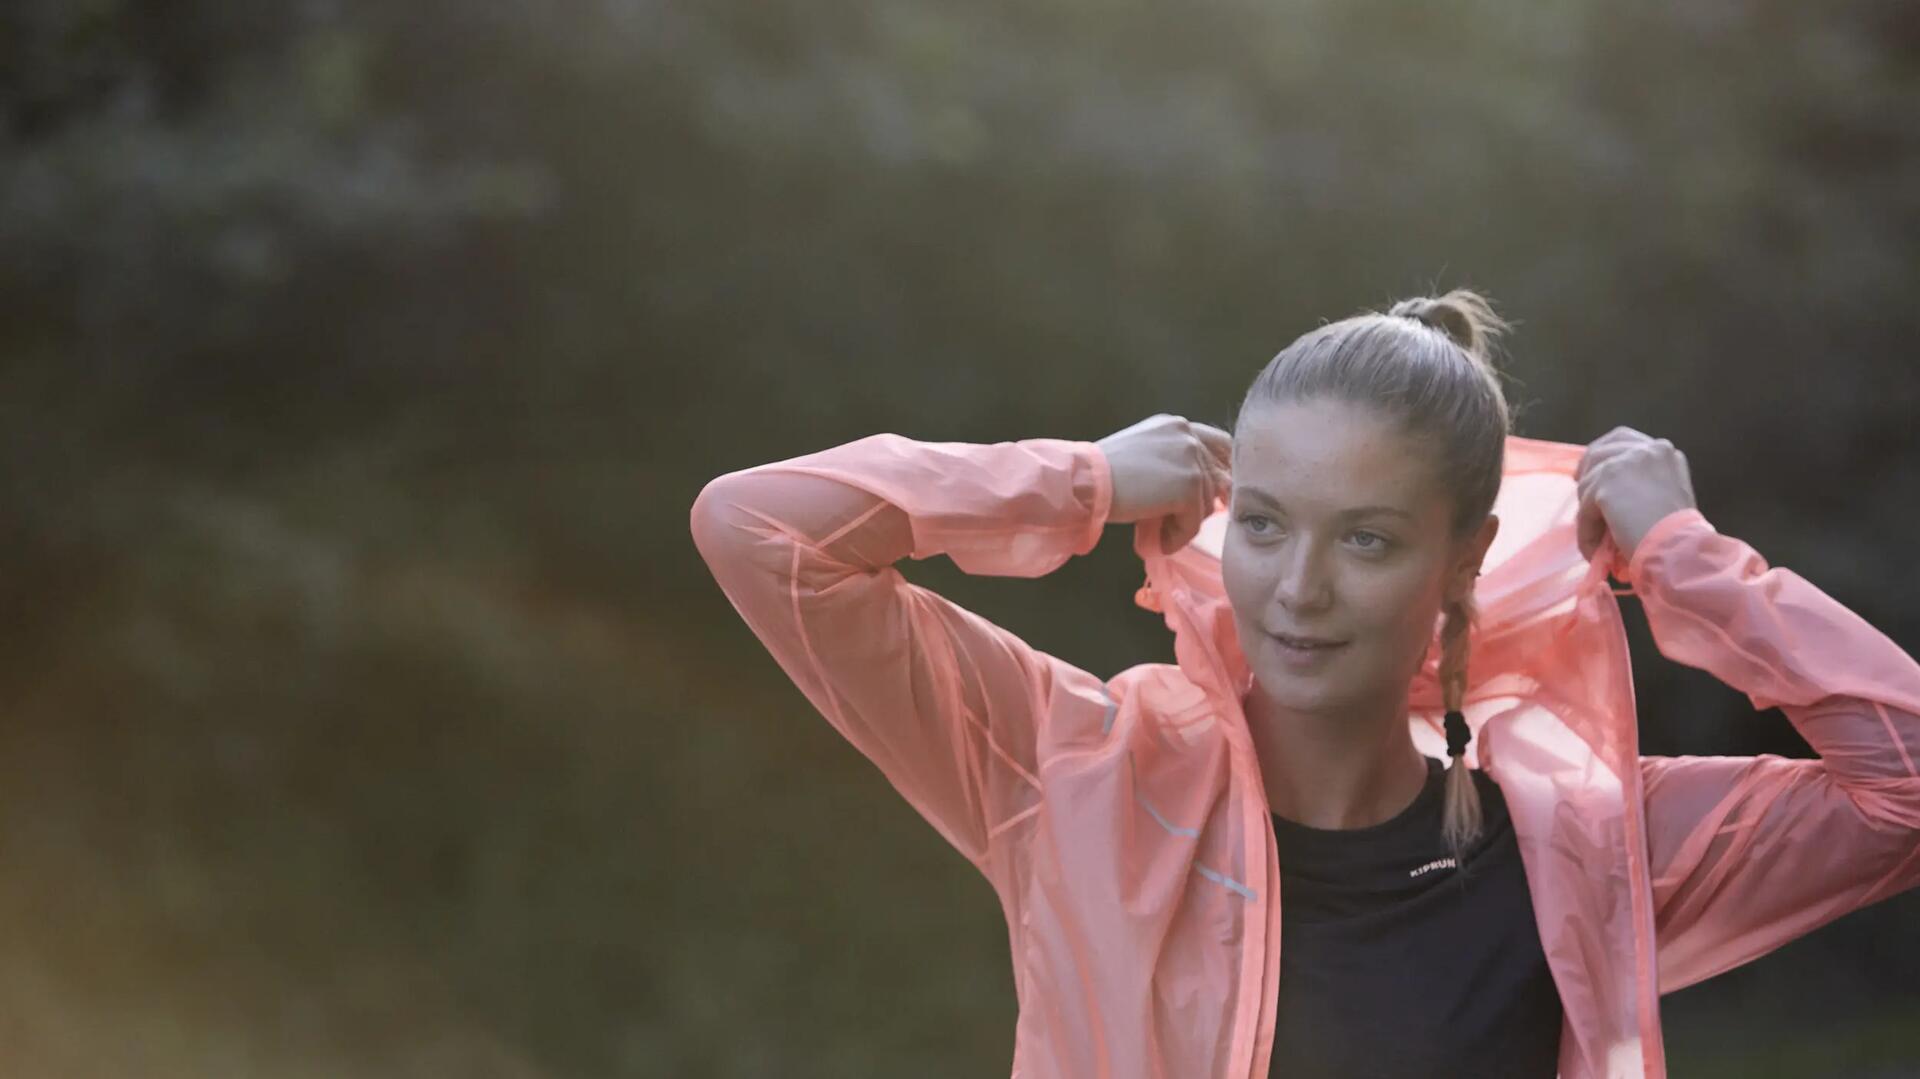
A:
(1249, 1010)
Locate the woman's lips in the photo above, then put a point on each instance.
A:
(1308, 642)
(1298, 656)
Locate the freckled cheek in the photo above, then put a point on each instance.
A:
(1385, 622)
(1395, 615)
(1243, 588)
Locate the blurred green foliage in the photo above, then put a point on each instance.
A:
(367, 710)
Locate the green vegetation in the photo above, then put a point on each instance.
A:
(365, 708)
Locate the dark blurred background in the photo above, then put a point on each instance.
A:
(365, 707)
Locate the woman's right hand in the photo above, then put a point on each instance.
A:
(1169, 466)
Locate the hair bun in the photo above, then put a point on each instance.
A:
(1463, 315)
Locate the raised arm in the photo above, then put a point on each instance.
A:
(1749, 853)
(948, 705)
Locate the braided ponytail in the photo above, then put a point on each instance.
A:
(1460, 821)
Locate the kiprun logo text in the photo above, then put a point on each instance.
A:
(1437, 863)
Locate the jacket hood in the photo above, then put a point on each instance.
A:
(1549, 699)
(1534, 592)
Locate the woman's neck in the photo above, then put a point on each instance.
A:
(1335, 772)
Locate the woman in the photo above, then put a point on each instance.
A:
(1396, 579)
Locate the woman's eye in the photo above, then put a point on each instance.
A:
(1257, 524)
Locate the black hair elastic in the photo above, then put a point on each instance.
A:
(1457, 734)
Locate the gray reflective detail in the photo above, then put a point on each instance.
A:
(1190, 833)
(1134, 781)
(1225, 881)
(1106, 724)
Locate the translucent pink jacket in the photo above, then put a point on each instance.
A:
(1122, 821)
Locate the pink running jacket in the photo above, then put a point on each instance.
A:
(1122, 821)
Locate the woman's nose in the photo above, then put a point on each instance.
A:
(1303, 583)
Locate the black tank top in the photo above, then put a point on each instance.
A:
(1396, 964)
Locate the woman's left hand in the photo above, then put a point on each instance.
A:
(1628, 481)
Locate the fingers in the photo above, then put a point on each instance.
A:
(1621, 444)
(1219, 446)
(1218, 443)
(1622, 434)
(1590, 528)
(1599, 453)
(1217, 478)
(1178, 529)
(1590, 474)
(1610, 445)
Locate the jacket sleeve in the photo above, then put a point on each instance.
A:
(946, 704)
(1749, 853)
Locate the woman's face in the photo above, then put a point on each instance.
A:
(1338, 530)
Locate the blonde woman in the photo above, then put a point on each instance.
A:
(1401, 702)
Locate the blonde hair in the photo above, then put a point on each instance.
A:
(1427, 362)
